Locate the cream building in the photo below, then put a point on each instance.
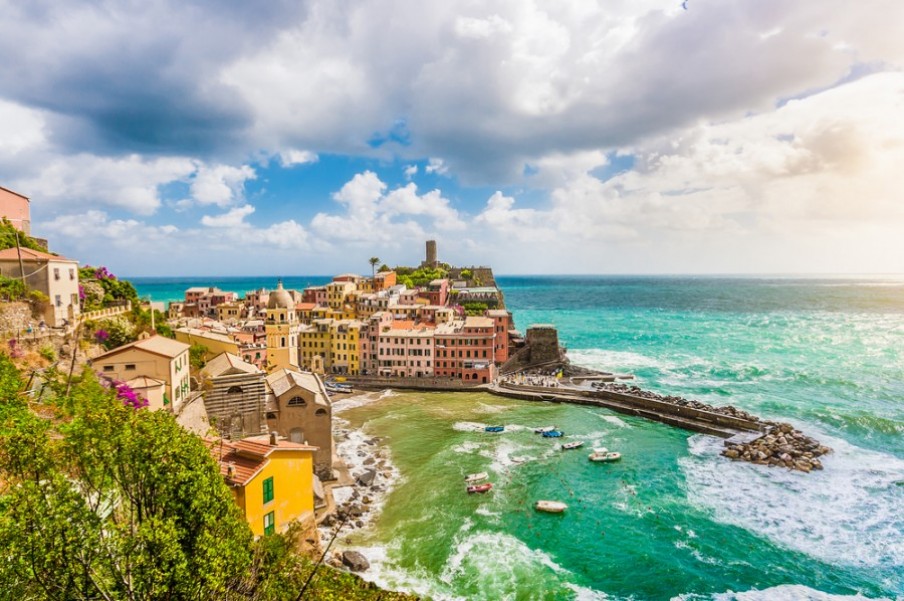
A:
(53, 275)
(282, 330)
(158, 358)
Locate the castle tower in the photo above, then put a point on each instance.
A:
(431, 254)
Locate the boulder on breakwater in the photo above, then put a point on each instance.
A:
(781, 446)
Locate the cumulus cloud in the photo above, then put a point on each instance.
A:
(220, 185)
(293, 157)
(232, 218)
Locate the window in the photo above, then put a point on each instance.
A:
(234, 390)
(296, 401)
(71, 274)
(320, 412)
(56, 273)
(58, 300)
(130, 366)
(108, 368)
(268, 490)
(269, 523)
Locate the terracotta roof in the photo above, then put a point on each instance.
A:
(206, 334)
(248, 456)
(144, 382)
(228, 363)
(158, 345)
(28, 254)
(305, 306)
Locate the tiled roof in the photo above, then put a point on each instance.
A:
(283, 380)
(158, 345)
(28, 254)
(247, 456)
(227, 362)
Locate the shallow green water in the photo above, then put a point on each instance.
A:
(672, 519)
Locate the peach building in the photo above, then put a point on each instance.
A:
(465, 349)
(406, 350)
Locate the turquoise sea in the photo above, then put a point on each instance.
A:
(673, 519)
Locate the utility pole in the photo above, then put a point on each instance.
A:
(21, 265)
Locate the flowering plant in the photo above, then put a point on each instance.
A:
(101, 336)
(125, 393)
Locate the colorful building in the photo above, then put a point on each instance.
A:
(16, 208)
(156, 357)
(52, 275)
(282, 330)
(272, 480)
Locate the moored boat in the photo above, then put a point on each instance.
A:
(572, 445)
(544, 429)
(480, 488)
(476, 477)
(494, 429)
(553, 434)
(550, 506)
(604, 455)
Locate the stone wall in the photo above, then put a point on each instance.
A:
(14, 318)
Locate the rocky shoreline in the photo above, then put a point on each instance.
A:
(781, 445)
(358, 502)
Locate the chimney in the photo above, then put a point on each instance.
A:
(230, 470)
(273, 439)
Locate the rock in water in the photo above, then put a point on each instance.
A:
(355, 561)
(367, 478)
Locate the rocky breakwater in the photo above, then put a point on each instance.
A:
(781, 446)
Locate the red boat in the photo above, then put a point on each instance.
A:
(480, 488)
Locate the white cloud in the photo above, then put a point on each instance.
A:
(234, 217)
(293, 157)
(437, 166)
(220, 185)
(410, 171)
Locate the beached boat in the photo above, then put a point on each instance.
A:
(544, 429)
(481, 488)
(476, 477)
(604, 455)
(573, 445)
(494, 429)
(550, 506)
(553, 434)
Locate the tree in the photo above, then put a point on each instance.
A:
(111, 502)
(373, 266)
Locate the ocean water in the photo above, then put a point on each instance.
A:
(673, 519)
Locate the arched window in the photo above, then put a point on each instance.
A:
(296, 401)
(320, 412)
(234, 390)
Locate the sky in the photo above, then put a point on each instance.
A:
(201, 137)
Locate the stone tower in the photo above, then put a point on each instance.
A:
(431, 253)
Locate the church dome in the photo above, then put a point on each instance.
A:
(280, 298)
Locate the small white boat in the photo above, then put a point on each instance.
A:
(550, 506)
(573, 445)
(604, 455)
(544, 429)
(476, 477)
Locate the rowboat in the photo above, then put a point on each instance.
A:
(604, 455)
(550, 506)
(553, 434)
(476, 477)
(480, 488)
(494, 429)
(544, 429)
(572, 445)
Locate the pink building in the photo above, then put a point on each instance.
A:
(464, 349)
(502, 323)
(406, 350)
(315, 294)
(16, 208)
(437, 292)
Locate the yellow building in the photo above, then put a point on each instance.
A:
(272, 480)
(314, 341)
(337, 293)
(344, 347)
(157, 357)
(216, 344)
(282, 329)
(230, 311)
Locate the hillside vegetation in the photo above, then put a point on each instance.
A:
(103, 500)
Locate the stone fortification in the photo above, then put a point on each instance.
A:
(541, 348)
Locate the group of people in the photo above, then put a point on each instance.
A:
(532, 379)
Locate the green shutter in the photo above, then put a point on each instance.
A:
(268, 490)
(269, 523)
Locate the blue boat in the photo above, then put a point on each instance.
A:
(553, 434)
(494, 429)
